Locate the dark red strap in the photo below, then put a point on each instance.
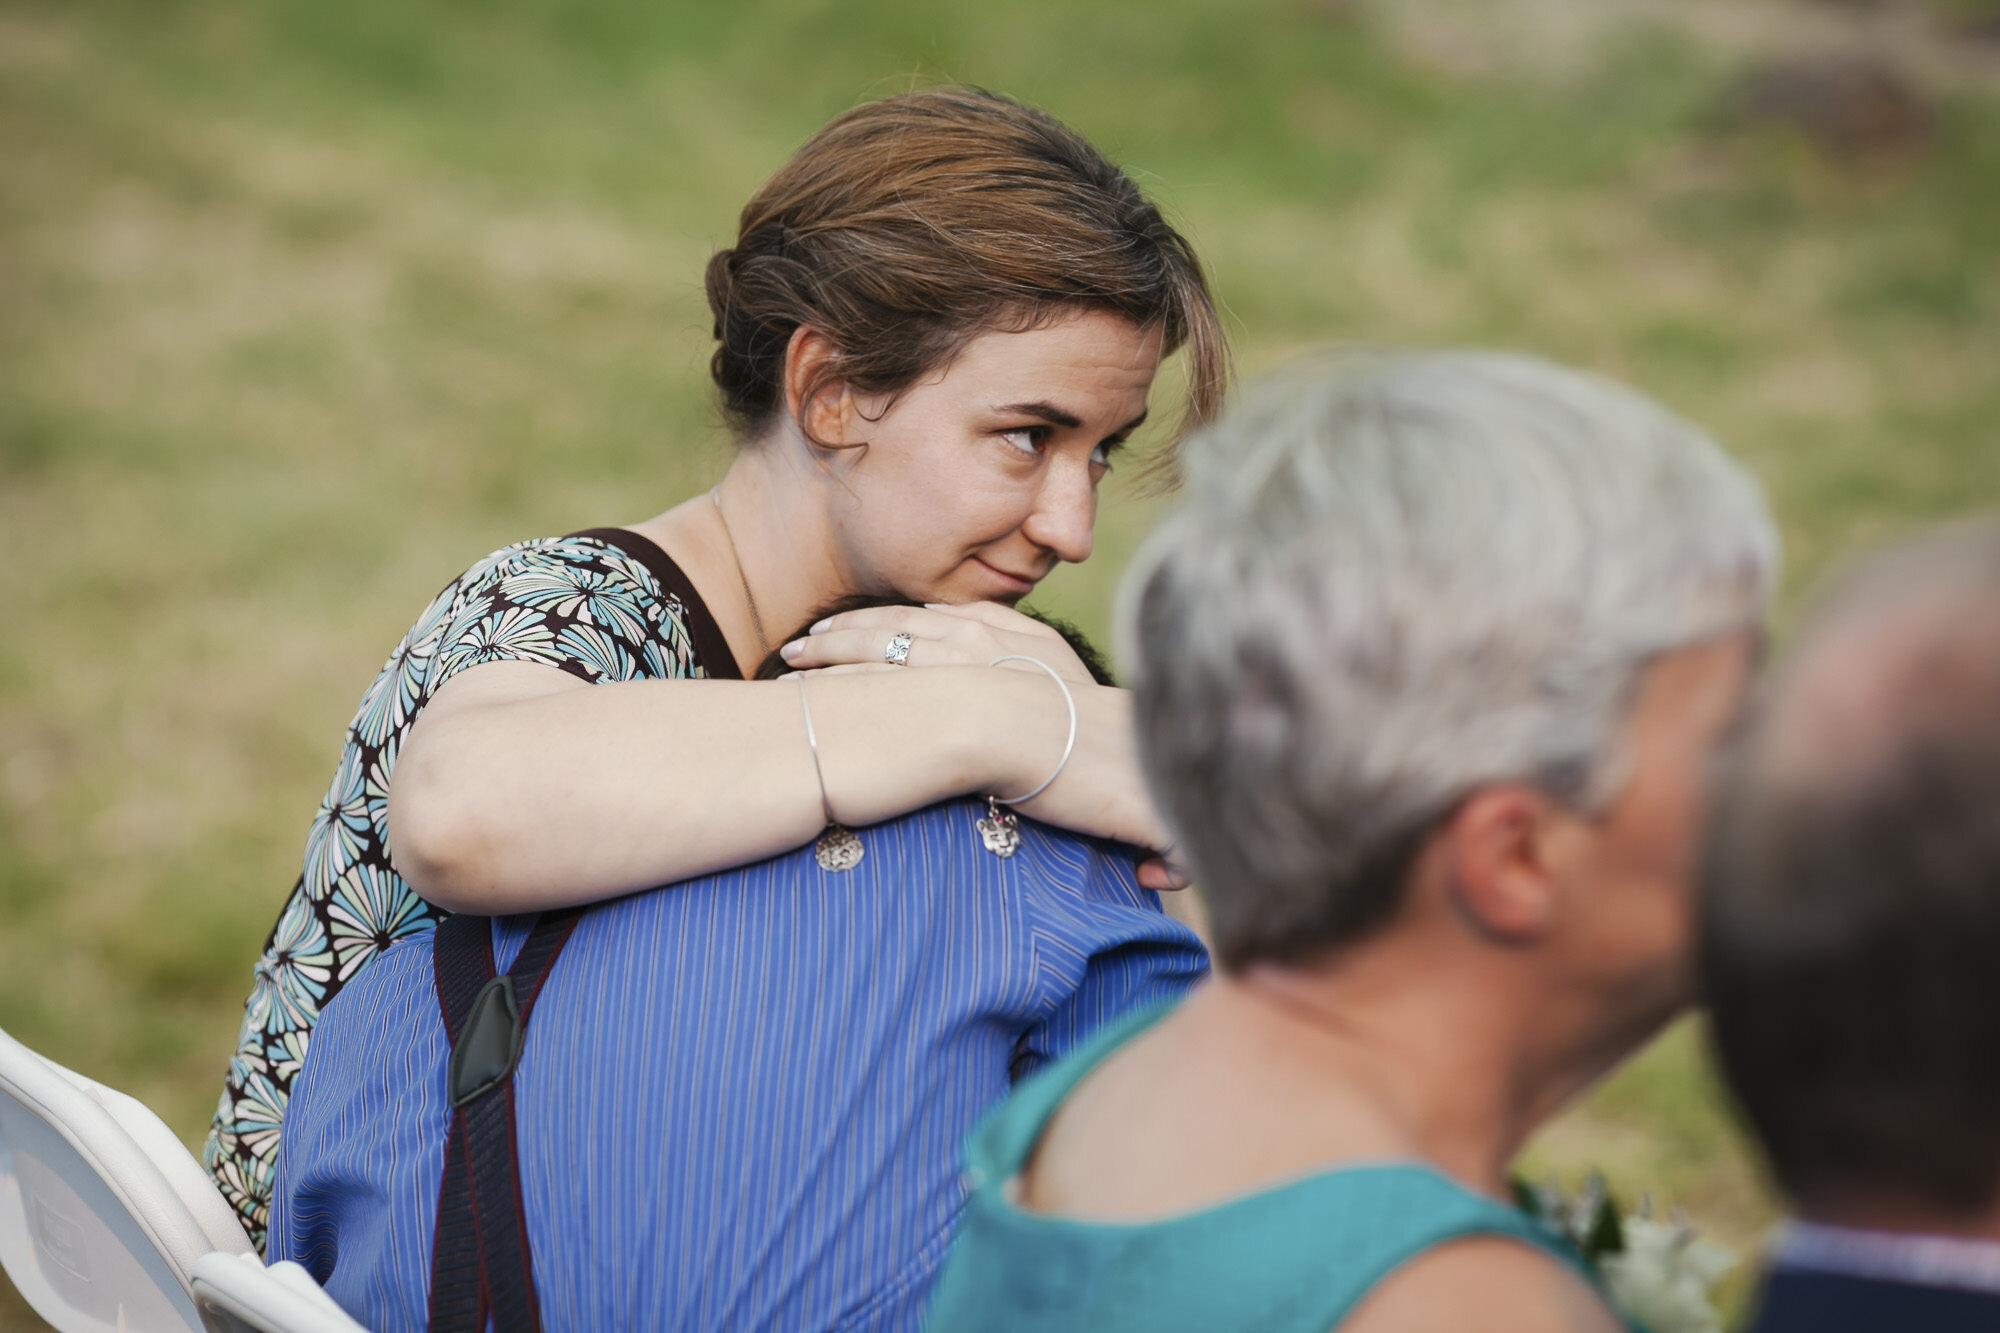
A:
(480, 1260)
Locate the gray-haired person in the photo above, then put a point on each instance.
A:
(1430, 666)
(1851, 946)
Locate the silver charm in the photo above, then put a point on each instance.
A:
(838, 849)
(1000, 831)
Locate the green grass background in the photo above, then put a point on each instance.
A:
(303, 307)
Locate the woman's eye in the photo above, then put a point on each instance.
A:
(1101, 455)
(1028, 439)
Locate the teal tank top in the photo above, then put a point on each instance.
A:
(1294, 1259)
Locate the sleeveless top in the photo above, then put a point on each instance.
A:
(1292, 1259)
(603, 605)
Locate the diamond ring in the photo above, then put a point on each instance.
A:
(898, 653)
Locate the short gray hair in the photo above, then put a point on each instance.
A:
(1395, 579)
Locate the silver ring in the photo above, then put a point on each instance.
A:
(898, 653)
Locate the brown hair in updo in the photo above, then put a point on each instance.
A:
(907, 227)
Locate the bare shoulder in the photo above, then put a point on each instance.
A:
(1490, 1283)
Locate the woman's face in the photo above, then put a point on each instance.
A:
(979, 479)
(1632, 867)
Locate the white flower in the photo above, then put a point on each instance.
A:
(1663, 1276)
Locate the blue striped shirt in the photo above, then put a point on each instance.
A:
(742, 1098)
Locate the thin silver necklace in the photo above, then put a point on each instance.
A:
(756, 621)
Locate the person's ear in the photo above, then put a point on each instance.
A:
(816, 398)
(1498, 847)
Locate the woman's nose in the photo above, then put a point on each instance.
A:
(1065, 511)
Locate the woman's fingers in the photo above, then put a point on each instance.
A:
(994, 616)
(973, 635)
(864, 636)
(854, 647)
(844, 669)
(1162, 876)
(916, 619)
(1016, 633)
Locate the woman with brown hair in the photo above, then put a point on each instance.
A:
(939, 321)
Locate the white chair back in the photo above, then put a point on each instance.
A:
(236, 1294)
(103, 1214)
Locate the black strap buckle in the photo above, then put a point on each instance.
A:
(489, 1045)
(482, 1273)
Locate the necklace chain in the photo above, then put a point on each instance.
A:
(756, 621)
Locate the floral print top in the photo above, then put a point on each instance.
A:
(603, 605)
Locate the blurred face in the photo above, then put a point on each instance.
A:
(979, 480)
(1628, 873)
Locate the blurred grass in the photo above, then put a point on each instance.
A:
(303, 307)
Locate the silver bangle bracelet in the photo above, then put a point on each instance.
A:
(1068, 745)
(812, 743)
(838, 848)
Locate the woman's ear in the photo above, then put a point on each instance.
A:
(816, 399)
(1498, 860)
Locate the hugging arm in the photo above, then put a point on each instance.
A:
(521, 787)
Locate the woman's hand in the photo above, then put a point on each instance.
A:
(969, 635)
(1100, 790)
(1162, 874)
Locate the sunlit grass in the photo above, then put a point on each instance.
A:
(303, 307)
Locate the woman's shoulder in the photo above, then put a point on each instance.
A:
(1487, 1281)
(1297, 1254)
(594, 559)
(1002, 1143)
(603, 599)
(1297, 1258)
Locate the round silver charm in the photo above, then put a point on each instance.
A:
(898, 652)
(1000, 831)
(838, 849)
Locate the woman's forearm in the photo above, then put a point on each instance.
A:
(516, 792)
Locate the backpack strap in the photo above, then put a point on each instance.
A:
(480, 1262)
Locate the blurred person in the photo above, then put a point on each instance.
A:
(1851, 946)
(939, 322)
(740, 1100)
(1429, 669)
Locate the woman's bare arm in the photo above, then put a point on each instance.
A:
(521, 788)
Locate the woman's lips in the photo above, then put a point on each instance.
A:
(1014, 582)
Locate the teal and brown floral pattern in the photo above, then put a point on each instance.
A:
(577, 603)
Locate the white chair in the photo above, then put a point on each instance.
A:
(237, 1294)
(105, 1218)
